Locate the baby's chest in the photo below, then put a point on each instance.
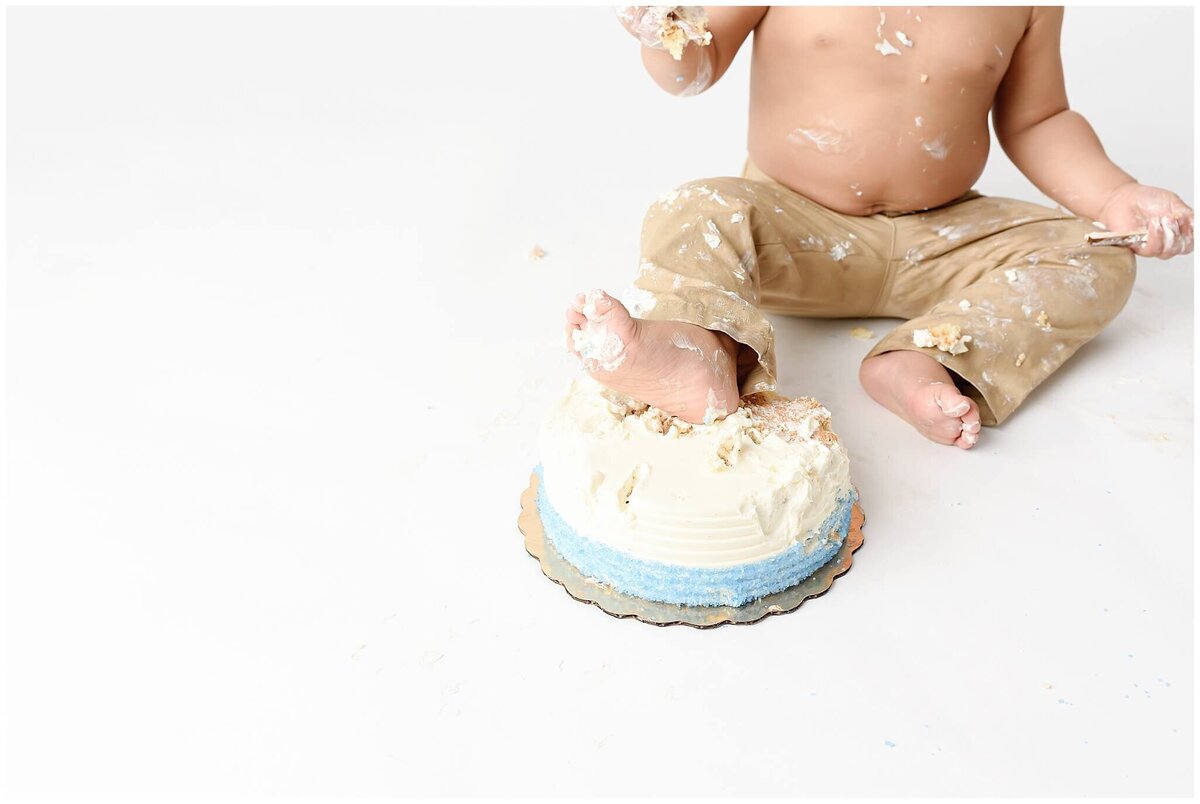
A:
(966, 42)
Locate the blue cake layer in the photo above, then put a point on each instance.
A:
(691, 586)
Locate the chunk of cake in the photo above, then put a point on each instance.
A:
(683, 24)
(693, 514)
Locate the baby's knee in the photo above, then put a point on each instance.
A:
(1116, 271)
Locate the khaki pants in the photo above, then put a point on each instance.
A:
(1014, 276)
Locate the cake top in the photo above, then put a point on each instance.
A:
(789, 418)
(739, 489)
(792, 419)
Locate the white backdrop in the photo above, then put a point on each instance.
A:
(276, 358)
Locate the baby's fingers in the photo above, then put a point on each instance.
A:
(1186, 232)
(1177, 236)
(1170, 236)
(644, 22)
(1153, 244)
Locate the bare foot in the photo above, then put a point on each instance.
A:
(919, 390)
(681, 368)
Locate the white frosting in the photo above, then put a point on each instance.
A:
(598, 345)
(937, 147)
(886, 48)
(737, 491)
(713, 408)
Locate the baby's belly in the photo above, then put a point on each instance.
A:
(861, 164)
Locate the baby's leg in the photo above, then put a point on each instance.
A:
(919, 390)
(1017, 279)
(694, 337)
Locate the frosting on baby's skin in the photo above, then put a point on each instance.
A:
(713, 409)
(638, 300)
(886, 48)
(957, 409)
(600, 346)
(936, 147)
(755, 483)
(590, 302)
(827, 139)
(682, 341)
(597, 345)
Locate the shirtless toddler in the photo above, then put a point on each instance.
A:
(868, 128)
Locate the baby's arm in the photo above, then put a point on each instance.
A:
(1059, 152)
(700, 66)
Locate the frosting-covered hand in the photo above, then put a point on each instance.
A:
(1164, 216)
(668, 28)
(645, 22)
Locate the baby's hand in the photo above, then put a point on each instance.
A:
(1167, 220)
(668, 28)
(645, 22)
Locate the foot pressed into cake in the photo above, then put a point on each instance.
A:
(919, 390)
(680, 368)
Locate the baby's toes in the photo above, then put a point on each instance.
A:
(597, 304)
(945, 429)
(569, 332)
(970, 428)
(600, 308)
(574, 320)
(952, 403)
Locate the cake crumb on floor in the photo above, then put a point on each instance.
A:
(537, 252)
(862, 333)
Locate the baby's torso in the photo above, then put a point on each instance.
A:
(839, 117)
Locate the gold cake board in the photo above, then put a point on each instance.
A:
(610, 601)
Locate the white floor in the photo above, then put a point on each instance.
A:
(276, 359)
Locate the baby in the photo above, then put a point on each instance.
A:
(868, 127)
